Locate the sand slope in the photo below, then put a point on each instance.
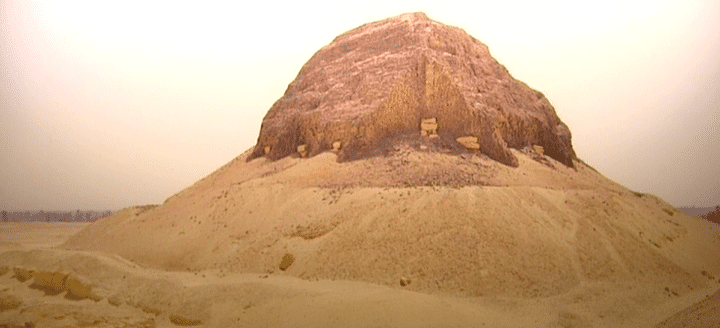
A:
(539, 245)
(703, 314)
(39, 284)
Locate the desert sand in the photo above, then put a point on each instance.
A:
(540, 245)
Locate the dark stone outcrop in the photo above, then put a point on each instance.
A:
(371, 87)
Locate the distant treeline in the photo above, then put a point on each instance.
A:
(696, 211)
(712, 216)
(54, 216)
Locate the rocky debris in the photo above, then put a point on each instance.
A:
(312, 230)
(404, 281)
(539, 149)
(287, 261)
(428, 127)
(374, 86)
(9, 302)
(537, 154)
(179, 320)
(54, 283)
(469, 142)
(336, 145)
(302, 150)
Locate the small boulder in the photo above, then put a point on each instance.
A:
(9, 302)
(404, 281)
(287, 261)
(469, 142)
(337, 145)
(179, 320)
(302, 150)
(428, 127)
(539, 149)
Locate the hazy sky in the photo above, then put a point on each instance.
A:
(107, 104)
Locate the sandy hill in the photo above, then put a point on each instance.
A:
(604, 255)
(536, 230)
(438, 195)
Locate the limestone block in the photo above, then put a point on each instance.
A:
(302, 150)
(428, 126)
(469, 142)
(539, 149)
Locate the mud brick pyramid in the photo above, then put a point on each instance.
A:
(373, 86)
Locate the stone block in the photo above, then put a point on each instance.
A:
(469, 142)
(302, 150)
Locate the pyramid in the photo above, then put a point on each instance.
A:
(404, 156)
(372, 87)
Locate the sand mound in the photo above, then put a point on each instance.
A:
(516, 250)
(128, 295)
(538, 230)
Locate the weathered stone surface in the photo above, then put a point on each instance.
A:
(371, 87)
(469, 142)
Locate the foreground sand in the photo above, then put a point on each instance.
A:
(273, 300)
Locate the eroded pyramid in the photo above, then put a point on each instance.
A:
(373, 86)
(503, 221)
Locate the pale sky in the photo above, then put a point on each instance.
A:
(108, 104)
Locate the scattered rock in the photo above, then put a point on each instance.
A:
(428, 127)
(337, 145)
(22, 274)
(9, 302)
(302, 150)
(182, 321)
(287, 261)
(404, 281)
(114, 301)
(470, 142)
(539, 149)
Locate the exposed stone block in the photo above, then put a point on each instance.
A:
(469, 142)
(539, 149)
(302, 150)
(428, 126)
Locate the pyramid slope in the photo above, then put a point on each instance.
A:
(371, 87)
(516, 236)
